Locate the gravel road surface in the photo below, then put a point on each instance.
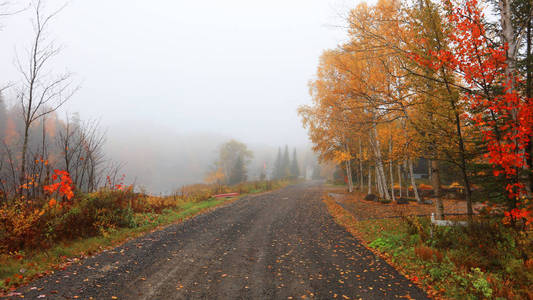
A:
(280, 245)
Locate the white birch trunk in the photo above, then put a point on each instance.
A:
(400, 178)
(407, 184)
(379, 163)
(508, 36)
(348, 166)
(378, 183)
(391, 170)
(413, 183)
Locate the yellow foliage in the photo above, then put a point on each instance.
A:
(342, 156)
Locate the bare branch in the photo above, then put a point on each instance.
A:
(41, 93)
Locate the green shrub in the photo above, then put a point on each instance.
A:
(91, 215)
(388, 242)
(440, 271)
(479, 283)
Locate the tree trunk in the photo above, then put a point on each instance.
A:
(391, 170)
(508, 38)
(462, 152)
(435, 181)
(348, 166)
(380, 174)
(361, 165)
(378, 183)
(529, 94)
(23, 157)
(413, 182)
(508, 35)
(430, 172)
(400, 178)
(407, 176)
(369, 179)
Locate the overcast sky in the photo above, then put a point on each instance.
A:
(237, 68)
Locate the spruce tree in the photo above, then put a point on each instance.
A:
(295, 170)
(286, 164)
(277, 174)
(238, 172)
(228, 154)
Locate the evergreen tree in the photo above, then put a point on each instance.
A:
(277, 173)
(238, 172)
(286, 164)
(295, 170)
(228, 154)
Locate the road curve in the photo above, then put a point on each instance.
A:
(280, 245)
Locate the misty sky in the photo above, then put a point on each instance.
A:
(237, 68)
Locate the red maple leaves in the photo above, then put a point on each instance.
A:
(499, 111)
(63, 187)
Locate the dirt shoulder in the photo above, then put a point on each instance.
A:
(364, 210)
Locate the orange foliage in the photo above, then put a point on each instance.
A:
(64, 187)
(52, 202)
(425, 187)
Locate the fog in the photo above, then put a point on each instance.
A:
(172, 80)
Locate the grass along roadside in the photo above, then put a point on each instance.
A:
(480, 262)
(21, 267)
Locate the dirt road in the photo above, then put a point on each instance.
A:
(282, 245)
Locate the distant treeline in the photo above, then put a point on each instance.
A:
(284, 166)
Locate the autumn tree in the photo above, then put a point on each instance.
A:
(40, 93)
(229, 154)
(433, 80)
(238, 171)
(216, 177)
(428, 97)
(500, 111)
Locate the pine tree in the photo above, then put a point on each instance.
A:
(295, 170)
(286, 164)
(228, 154)
(277, 174)
(238, 172)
